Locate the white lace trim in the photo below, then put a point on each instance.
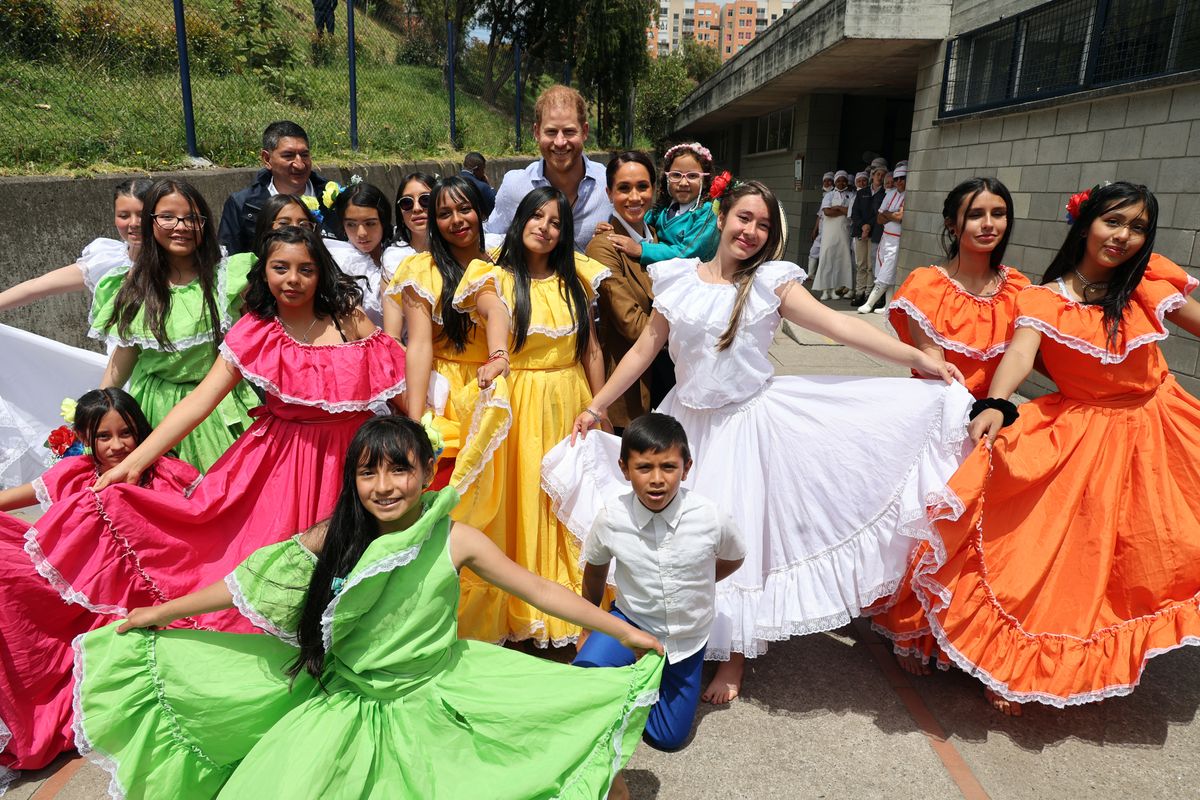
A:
(60, 584)
(643, 700)
(554, 333)
(529, 634)
(100, 258)
(387, 564)
(84, 745)
(463, 292)
(696, 309)
(906, 307)
(1103, 355)
(336, 407)
(420, 291)
(486, 400)
(7, 776)
(256, 617)
(193, 486)
(43, 498)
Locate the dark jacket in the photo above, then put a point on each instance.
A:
(486, 193)
(240, 214)
(876, 204)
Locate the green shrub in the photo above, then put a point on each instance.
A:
(29, 28)
(324, 49)
(94, 34)
(208, 47)
(150, 47)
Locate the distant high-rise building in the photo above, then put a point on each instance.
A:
(708, 22)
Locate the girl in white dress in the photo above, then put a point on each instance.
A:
(819, 473)
(364, 228)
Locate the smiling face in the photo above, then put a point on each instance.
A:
(127, 216)
(416, 215)
(391, 493)
(292, 275)
(684, 189)
(457, 220)
(114, 440)
(182, 240)
(982, 221)
(631, 193)
(560, 135)
(290, 164)
(363, 228)
(1117, 235)
(541, 233)
(744, 228)
(840, 183)
(656, 476)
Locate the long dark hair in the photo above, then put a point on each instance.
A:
(968, 190)
(265, 223)
(1127, 276)
(401, 229)
(148, 283)
(561, 262)
(456, 326)
(338, 294)
(743, 277)
(393, 440)
(364, 195)
(91, 408)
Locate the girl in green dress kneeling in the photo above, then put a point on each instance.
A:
(364, 688)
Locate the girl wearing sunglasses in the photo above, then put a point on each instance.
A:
(413, 204)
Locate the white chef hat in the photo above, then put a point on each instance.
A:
(862, 175)
(828, 176)
(900, 171)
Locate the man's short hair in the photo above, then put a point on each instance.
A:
(473, 161)
(654, 433)
(280, 130)
(559, 96)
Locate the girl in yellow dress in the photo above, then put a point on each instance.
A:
(534, 305)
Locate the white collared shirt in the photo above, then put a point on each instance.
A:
(308, 189)
(666, 564)
(637, 237)
(591, 203)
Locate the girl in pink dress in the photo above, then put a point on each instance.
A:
(325, 369)
(36, 627)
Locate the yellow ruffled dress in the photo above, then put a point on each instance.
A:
(547, 389)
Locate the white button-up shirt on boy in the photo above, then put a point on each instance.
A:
(666, 564)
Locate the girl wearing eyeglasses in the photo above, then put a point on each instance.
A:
(164, 318)
(413, 204)
(683, 221)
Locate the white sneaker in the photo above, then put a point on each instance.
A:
(882, 310)
(827, 295)
(865, 308)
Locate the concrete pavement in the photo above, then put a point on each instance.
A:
(830, 716)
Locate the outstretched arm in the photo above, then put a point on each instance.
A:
(1187, 317)
(179, 422)
(635, 362)
(214, 597)
(60, 281)
(18, 497)
(1014, 368)
(471, 548)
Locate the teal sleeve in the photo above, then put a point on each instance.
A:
(700, 240)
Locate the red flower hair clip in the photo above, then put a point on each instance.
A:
(720, 185)
(1075, 203)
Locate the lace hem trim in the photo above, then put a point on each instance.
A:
(256, 617)
(753, 311)
(339, 407)
(43, 498)
(60, 584)
(463, 292)
(906, 307)
(986, 301)
(1103, 355)
(490, 449)
(420, 291)
(84, 745)
(643, 700)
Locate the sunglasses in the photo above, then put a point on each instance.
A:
(408, 202)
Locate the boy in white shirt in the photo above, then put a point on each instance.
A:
(671, 547)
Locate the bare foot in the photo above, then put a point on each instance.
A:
(727, 683)
(912, 664)
(1008, 708)
(619, 790)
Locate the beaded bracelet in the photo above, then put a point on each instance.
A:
(1005, 407)
(595, 416)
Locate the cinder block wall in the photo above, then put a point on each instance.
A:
(1044, 156)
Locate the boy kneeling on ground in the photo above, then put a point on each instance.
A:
(671, 547)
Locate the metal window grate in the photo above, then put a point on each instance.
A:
(1067, 46)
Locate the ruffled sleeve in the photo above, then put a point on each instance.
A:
(1162, 268)
(174, 475)
(478, 275)
(419, 275)
(100, 258)
(104, 298)
(69, 475)
(270, 586)
(234, 274)
(392, 258)
(591, 274)
(681, 296)
(338, 378)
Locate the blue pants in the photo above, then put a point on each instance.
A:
(671, 717)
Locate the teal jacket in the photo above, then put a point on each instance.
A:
(692, 234)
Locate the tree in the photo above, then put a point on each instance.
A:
(611, 56)
(699, 59)
(659, 95)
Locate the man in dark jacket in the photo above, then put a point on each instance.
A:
(866, 230)
(473, 170)
(287, 169)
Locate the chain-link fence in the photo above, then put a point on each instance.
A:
(95, 83)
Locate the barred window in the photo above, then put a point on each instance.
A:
(1067, 46)
(772, 132)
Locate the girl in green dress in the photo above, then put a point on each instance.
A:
(364, 689)
(163, 318)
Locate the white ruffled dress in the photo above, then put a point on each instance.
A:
(821, 474)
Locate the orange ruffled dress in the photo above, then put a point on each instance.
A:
(972, 331)
(1068, 554)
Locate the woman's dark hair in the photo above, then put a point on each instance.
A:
(743, 278)
(401, 229)
(147, 285)
(953, 211)
(134, 187)
(629, 157)
(338, 294)
(363, 195)
(561, 262)
(654, 433)
(394, 440)
(1126, 277)
(91, 408)
(456, 326)
(265, 223)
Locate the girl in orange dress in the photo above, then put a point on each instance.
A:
(1065, 552)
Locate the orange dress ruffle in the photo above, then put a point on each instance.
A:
(973, 332)
(1061, 559)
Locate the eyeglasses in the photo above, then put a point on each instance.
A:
(169, 222)
(408, 202)
(692, 177)
(288, 223)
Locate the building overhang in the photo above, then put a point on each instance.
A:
(870, 47)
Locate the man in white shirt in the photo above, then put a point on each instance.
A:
(671, 547)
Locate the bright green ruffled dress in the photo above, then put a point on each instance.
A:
(409, 709)
(161, 377)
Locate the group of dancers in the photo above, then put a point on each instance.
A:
(408, 459)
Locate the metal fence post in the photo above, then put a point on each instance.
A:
(517, 90)
(450, 80)
(353, 74)
(185, 80)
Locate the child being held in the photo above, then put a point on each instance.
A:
(671, 547)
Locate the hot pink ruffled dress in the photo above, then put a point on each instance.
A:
(36, 626)
(130, 547)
